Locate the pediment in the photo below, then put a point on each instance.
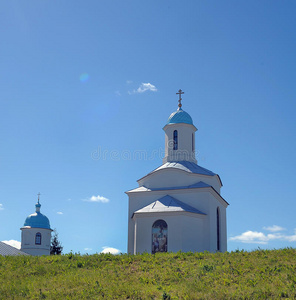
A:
(168, 204)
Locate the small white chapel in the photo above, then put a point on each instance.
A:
(36, 233)
(178, 206)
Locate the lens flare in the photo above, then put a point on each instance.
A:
(84, 77)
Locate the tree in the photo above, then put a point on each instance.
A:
(56, 247)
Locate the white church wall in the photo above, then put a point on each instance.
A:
(144, 234)
(28, 241)
(197, 198)
(36, 252)
(185, 150)
(26, 238)
(214, 204)
(185, 232)
(223, 230)
(213, 226)
(137, 202)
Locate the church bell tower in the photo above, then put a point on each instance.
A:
(179, 136)
(36, 233)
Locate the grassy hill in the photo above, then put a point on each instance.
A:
(261, 274)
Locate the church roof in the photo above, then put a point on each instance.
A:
(37, 219)
(179, 116)
(168, 204)
(9, 250)
(199, 184)
(186, 166)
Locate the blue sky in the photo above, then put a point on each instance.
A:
(87, 86)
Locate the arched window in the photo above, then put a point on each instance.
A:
(38, 238)
(192, 142)
(159, 236)
(218, 229)
(175, 140)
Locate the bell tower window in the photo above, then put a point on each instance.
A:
(175, 140)
(38, 238)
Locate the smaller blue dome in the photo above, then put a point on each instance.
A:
(37, 220)
(180, 116)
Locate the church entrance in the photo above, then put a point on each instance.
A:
(159, 236)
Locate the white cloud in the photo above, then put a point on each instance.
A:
(97, 199)
(251, 237)
(291, 238)
(110, 250)
(1, 206)
(13, 243)
(274, 228)
(255, 237)
(59, 213)
(87, 249)
(144, 87)
(129, 81)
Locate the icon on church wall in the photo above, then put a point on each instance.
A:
(159, 236)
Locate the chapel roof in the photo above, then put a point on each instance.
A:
(179, 116)
(186, 166)
(199, 184)
(37, 219)
(6, 249)
(168, 204)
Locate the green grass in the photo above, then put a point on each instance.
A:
(261, 274)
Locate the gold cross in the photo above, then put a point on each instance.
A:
(180, 93)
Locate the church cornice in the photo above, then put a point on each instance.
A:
(173, 214)
(29, 227)
(174, 166)
(178, 124)
(176, 190)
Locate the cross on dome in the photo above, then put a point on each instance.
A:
(180, 93)
(38, 205)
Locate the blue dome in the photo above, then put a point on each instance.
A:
(180, 116)
(37, 220)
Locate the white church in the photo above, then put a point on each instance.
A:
(36, 236)
(36, 233)
(177, 206)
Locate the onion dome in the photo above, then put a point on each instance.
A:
(37, 219)
(180, 116)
